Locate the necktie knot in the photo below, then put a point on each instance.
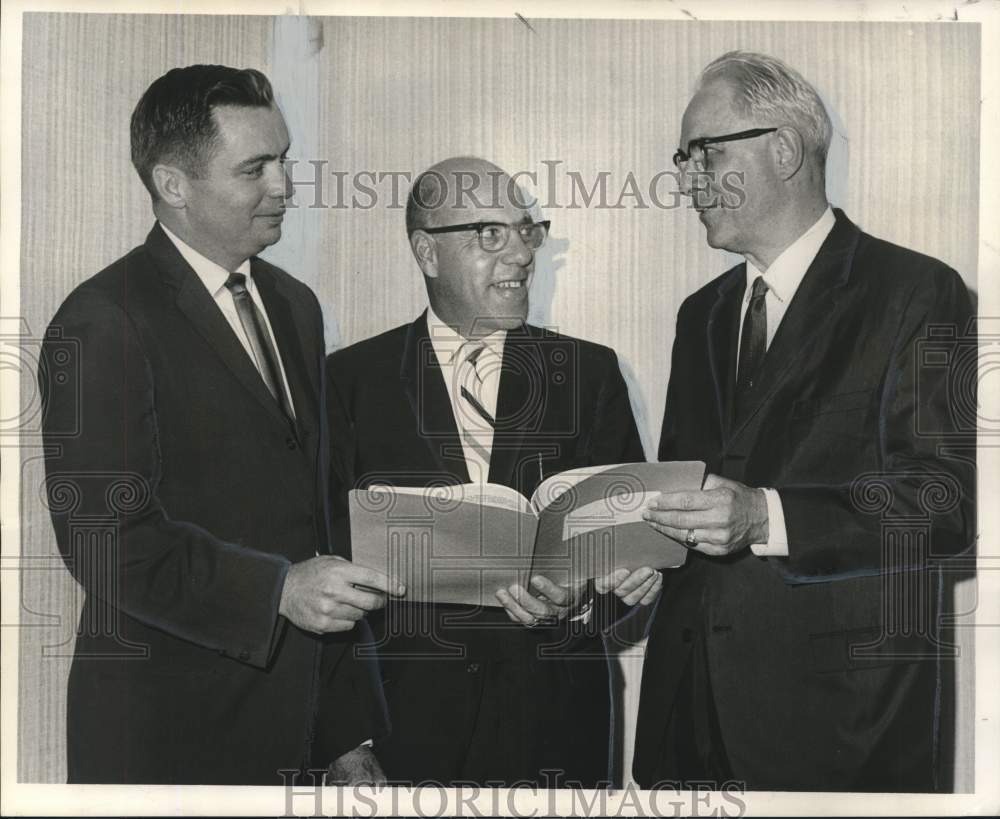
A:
(474, 349)
(236, 283)
(760, 289)
(470, 353)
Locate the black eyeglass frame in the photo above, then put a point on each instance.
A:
(480, 226)
(681, 156)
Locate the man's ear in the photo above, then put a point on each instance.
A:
(789, 151)
(425, 252)
(171, 184)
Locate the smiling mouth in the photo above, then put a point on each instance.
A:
(511, 284)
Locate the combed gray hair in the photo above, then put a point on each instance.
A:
(775, 93)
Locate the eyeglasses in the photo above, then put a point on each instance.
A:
(696, 147)
(493, 236)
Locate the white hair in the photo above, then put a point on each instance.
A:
(776, 94)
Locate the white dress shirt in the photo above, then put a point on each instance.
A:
(451, 350)
(214, 278)
(783, 278)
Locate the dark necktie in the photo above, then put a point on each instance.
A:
(260, 341)
(753, 342)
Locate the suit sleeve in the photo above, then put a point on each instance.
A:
(341, 466)
(926, 462)
(667, 450)
(170, 574)
(614, 440)
(614, 436)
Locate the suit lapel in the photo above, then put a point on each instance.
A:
(723, 328)
(520, 401)
(198, 306)
(291, 347)
(812, 310)
(427, 393)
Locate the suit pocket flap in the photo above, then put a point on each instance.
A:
(841, 402)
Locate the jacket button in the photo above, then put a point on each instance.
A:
(244, 655)
(472, 668)
(687, 635)
(290, 443)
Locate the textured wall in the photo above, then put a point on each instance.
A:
(395, 95)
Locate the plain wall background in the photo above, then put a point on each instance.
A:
(397, 94)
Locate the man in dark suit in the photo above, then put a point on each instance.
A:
(799, 649)
(190, 500)
(469, 392)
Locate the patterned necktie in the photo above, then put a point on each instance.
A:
(753, 342)
(260, 341)
(475, 420)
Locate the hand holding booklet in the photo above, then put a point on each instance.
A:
(460, 543)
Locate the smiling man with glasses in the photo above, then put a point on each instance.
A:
(781, 655)
(469, 392)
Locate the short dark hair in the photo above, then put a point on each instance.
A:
(173, 120)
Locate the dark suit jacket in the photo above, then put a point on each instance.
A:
(471, 696)
(862, 437)
(180, 495)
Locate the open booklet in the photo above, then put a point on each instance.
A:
(460, 543)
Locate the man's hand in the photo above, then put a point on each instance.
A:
(726, 516)
(549, 602)
(552, 602)
(639, 586)
(357, 767)
(320, 594)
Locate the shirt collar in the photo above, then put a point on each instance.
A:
(212, 275)
(447, 342)
(787, 271)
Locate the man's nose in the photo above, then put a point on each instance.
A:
(685, 179)
(279, 182)
(517, 250)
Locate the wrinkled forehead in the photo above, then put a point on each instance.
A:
(472, 194)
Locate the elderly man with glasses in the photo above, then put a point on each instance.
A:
(468, 392)
(799, 647)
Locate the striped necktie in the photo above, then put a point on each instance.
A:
(265, 356)
(475, 421)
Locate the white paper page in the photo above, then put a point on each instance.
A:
(599, 513)
(554, 486)
(484, 494)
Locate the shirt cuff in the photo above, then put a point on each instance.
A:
(777, 536)
(583, 616)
